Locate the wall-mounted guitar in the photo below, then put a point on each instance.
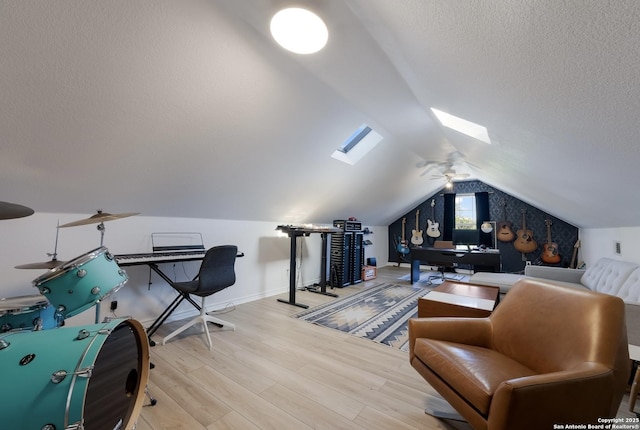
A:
(505, 232)
(432, 225)
(403, 247)
(524, 237)
(549, 248)
(416, 235)
(574, 257)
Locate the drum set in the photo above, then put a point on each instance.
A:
(90, 377)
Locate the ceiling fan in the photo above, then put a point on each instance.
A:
(451, 175)
(446, 167)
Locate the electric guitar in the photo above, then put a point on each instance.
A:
(524, 240)
(505, 232)
(416, 235)
(432, 226)
(403, 248)
(550, 249)
(574, 257)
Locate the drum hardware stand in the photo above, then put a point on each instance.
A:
(152, 400)
(98, 312)
(100, 217)
(47, 264)
(101, 229)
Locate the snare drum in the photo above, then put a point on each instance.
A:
(82, 282)
(87, 377)
(28, 313)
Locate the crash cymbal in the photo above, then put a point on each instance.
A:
(99, 218)
(12, 210)
(43, 265)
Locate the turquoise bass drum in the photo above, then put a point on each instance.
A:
(73, 378)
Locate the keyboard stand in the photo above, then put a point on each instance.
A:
(174, 304)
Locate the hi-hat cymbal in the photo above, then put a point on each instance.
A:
(98, 218)
(43, 265)
(12, 210)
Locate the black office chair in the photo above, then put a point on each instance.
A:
(216, 273)
(442, 266)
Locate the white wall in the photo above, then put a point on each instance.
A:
(600, 242)
(262, 272)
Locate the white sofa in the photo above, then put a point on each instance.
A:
(609, 276)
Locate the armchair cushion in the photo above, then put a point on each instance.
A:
(473, 371)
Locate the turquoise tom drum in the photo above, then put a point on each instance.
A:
(82, 282)
(28, 313)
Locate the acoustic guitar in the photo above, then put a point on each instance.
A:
(432, 225)
(403, 247)
(524, 237)
(416, 235)
(549, 248)
(505, 232)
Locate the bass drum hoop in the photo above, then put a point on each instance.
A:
(143, 378)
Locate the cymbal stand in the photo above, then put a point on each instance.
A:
(101, 229)
(54, 256)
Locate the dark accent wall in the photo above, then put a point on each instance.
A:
(563, 233)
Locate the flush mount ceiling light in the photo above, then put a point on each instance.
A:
(299, 30)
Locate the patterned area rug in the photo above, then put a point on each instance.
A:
(378, 313)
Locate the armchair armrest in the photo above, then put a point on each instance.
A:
(470, 331)
(553, 273)
(589, 387)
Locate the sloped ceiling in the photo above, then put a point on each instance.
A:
(190, 109)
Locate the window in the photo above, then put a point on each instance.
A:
(465, 212)
(357, 145)
(463, 126)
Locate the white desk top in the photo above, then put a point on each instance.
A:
(454, 299)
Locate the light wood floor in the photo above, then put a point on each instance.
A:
(277, 372)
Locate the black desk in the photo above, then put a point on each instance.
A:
(448, 257)
(294, 232)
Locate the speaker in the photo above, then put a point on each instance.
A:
(371, 261)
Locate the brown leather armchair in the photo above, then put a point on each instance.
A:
(547, 355)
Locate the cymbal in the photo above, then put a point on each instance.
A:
(43, 265)
(12, 210)
(98, 218)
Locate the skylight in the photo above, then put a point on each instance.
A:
(463, 126)
(357, 145)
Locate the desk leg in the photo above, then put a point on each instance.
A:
(292, 274)
(415, 271)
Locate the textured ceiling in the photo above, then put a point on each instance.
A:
(190, 109)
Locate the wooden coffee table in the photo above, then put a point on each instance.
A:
(459, 299)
